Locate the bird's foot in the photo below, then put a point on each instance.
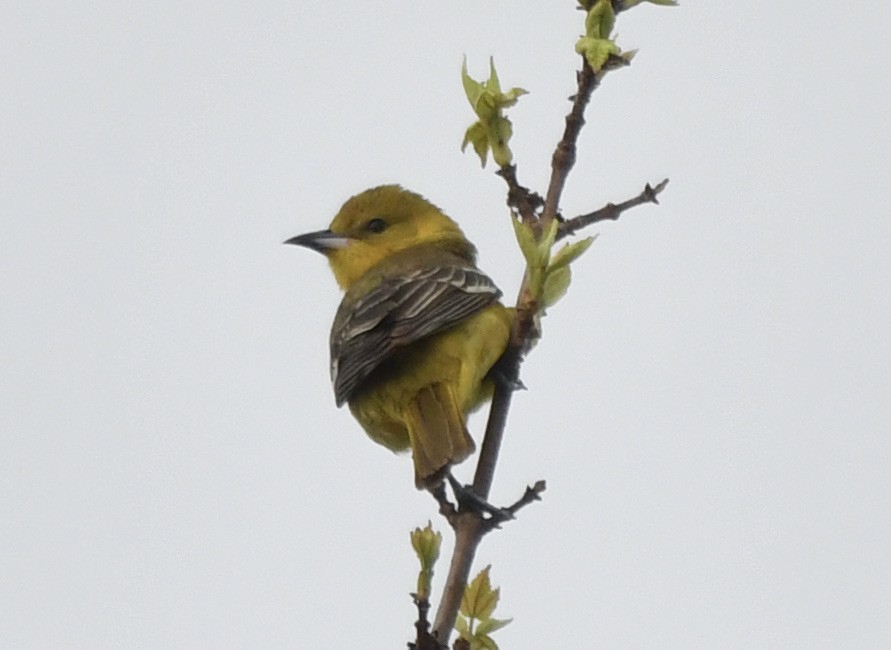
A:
(503, 375)
(468, 500)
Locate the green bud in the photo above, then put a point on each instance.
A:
(426, 543)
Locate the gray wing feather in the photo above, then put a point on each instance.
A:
(399, 311)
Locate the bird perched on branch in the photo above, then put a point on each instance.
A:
(418, 330)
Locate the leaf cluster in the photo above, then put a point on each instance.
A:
(548, 274)
(598, 45)
(475, 622)
(492, 130)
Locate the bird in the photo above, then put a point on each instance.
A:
(420, 328)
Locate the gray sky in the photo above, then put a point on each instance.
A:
(710, 403)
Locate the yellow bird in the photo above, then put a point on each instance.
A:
(419, 327)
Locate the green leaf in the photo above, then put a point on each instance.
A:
(486, 98)
(600, 20)
(503, 131)
(526, 239)
(477, 136)
(546, 243)
(462, 626)
(491, 625)
(493, 85)
(483, 642)
(472, 88)
(571, 252)
(479, 599)
(555, 285)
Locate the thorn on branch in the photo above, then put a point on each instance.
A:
(652, 192)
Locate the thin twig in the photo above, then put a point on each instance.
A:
(531, 495)
(611, 211)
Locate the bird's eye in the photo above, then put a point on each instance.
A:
(376, 225)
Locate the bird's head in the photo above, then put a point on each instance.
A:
(377, 223)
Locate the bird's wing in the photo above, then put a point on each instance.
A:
(399, 311)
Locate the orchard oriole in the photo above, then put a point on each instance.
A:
(418, 329)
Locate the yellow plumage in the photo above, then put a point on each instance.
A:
(419, 327)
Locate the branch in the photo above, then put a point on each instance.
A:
(470, 527)
(468, 533)
(523, 325)
(564, 155)
(520, 198)
(611, 211)
(424, 640)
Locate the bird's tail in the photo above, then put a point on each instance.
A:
(437, 434)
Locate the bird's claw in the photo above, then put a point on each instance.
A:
(503, 376)
(468, 500)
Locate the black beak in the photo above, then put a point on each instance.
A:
(322, 241)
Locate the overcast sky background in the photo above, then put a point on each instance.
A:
(709, 404)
